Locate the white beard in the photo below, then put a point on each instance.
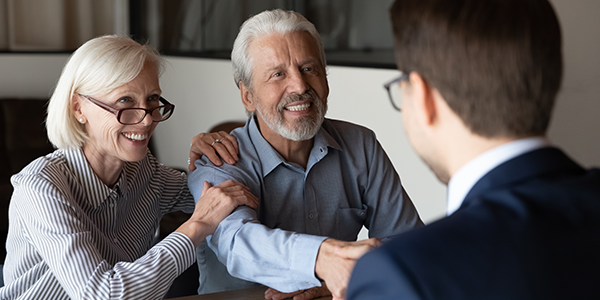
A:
(306, 127)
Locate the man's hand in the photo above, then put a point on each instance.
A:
(312, 293)
(335, 262)
(210, 144)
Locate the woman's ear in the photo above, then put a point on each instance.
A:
(247, 97)
(76, 108)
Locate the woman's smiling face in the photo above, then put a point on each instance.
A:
(110, 140)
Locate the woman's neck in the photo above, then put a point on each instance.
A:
(107, 168)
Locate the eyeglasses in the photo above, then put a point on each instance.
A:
(393, 90)
(132, 116)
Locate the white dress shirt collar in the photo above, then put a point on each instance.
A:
(461, 183)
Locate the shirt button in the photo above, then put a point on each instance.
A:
(310, 216)
(112, 205)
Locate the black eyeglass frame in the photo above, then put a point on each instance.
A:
(117, 112)
(403, 77)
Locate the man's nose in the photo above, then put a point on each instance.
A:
(298, 84)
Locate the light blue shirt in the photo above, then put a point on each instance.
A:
(465, 178)
(349, 182)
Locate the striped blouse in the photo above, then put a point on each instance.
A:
(72, 237)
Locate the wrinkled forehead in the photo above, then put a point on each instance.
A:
(295, 47)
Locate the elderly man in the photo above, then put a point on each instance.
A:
(479, 82)
(318, 180)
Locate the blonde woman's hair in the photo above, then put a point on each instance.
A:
(98, 67)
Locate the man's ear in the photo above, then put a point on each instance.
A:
(247, 97)
(423, 96)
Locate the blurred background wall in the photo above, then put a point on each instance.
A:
(204, 93)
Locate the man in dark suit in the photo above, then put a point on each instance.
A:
(479, 82)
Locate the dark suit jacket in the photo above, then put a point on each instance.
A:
(529, 229)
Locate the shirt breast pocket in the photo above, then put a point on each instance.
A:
(349, 222)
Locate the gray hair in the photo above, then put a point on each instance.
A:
(263, 24)
(98, 67)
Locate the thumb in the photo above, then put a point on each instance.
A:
(205, 187)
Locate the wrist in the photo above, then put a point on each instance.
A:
(195, 231)
(325, 251)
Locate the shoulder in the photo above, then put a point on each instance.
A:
(242, 133)
(247, 170)
(349, 135)
(356, 142)
(344, 128)
(48, 176)
(52, 167)
(428, 258)
(464, 236)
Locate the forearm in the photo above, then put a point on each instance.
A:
(280, 259)
(148, 277)
(196, 231)
(72, 256)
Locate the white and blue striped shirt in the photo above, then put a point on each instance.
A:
(72, 237)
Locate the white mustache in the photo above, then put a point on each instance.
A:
(309, 95)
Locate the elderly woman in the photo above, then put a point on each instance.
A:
(83, 218)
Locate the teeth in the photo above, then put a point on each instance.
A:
(298, 107)
(136, 137)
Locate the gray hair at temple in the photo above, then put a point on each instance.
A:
(263, 24)
(98, 67)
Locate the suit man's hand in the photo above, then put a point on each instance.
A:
(335, 262)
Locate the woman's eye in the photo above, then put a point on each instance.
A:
(153, 98)
(124, 100)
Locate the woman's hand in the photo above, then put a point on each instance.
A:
(214, 205)
(216, 146)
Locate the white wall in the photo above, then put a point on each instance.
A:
(204, 94)
(30, 75)
(576, 121)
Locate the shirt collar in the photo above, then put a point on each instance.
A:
(270, 158)
(96, 192)
(465, 178)
(322, 142)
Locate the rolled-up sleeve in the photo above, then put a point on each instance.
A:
(283, 260)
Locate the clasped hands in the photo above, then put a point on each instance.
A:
(335, 261)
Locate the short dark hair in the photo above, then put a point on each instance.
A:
(497, 63)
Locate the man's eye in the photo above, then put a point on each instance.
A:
(278, 74)
(308, 69)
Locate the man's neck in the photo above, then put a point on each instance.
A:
(296, 152)
(470, 148)
(465, 178)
